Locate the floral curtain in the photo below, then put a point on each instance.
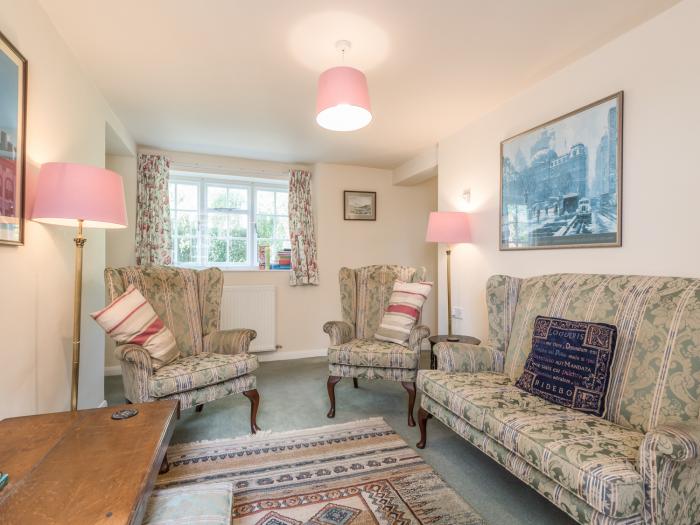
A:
(301, 230)
(153, 240)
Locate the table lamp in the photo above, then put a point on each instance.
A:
(85, 197)
(449, 227)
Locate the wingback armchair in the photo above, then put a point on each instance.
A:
(213, 363)
(364, 296)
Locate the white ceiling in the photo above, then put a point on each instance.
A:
(238, 77)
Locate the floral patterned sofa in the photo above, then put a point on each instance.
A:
(638, 464)
(213, 363)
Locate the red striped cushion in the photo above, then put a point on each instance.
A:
(131, 319)
(403, 312)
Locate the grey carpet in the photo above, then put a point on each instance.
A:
(293, 395)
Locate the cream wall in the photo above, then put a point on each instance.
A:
(65, 122)
(657, 66)
(396, 237)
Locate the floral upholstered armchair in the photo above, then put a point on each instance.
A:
(364, 296)
(213, 363)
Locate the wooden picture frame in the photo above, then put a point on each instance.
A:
(561, 181)
(13, 122)
(359, 205)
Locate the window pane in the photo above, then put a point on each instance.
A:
(186, 197)
(186, 223)
(265, 202)
(216, 197)
(186, 250)
(238, 199)
(238, 225)
(216, 225)
(217, 250)
(238, 250)
(282, 228)
(281, 207)
(264, 224)
(171, 191)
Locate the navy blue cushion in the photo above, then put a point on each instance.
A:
(570, 363)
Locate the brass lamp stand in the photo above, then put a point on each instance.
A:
(79, 241)
(450, 337)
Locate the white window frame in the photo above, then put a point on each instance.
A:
(203, 180)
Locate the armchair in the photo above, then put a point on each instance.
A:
(364, 296)
(213, 363)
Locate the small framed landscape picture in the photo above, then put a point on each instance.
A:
(360, 205)
(561, 182)
(13, 103)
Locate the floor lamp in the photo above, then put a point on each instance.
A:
(448, 227)
(83, 197)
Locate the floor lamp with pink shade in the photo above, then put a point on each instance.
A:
(84, 197)
(448, 227)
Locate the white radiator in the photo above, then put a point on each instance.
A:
(251, 306)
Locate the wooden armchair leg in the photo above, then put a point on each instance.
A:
(411, 389)
(330, 385)
(423, 416)
(254, 402)
(198, 408)
(354, 382)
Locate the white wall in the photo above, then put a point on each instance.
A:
(658, 68)
(396, 237)
(65, 122)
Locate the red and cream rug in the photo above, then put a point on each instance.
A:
(357, 473)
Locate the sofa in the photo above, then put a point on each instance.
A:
(640, 463)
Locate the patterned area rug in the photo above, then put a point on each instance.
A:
(357, 473)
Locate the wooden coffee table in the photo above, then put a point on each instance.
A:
(83, 467)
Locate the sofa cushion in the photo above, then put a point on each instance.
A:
(471, 396)
(197, 371)
(591, 457)
(373, 353)
(403, 311)
(570, 363)
(192, 503)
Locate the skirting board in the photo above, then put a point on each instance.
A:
(262, 357)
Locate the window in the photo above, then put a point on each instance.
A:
(222, 220)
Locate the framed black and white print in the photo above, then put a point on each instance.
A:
(360, 205)
(13, 109)
(561, 182)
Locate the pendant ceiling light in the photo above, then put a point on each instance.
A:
(342, 103)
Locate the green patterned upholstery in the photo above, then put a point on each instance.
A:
(214, 363)
(191, 504)
(364, 295)
(638, 464)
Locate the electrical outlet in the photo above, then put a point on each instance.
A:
(458, 312)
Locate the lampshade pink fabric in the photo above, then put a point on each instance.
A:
(67, 192)
(449, 227)
(342, 85)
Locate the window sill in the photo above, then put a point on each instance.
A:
(232, 268)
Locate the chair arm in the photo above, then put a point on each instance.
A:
(229, 342)
(339, 331)
(464, 357)
(679, 442)
(669, 462)
(416, 337)
(137, 367)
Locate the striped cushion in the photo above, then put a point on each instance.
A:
(403, 311)
(131, 319)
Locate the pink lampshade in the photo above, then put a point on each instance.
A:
(68, 192)
(342, 102)
(450, 227)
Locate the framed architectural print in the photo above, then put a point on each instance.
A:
(13, 108)
(561, 182)
(360, 205)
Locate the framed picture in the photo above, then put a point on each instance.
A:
(561, 182)
(360, 205)
(13, 109)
